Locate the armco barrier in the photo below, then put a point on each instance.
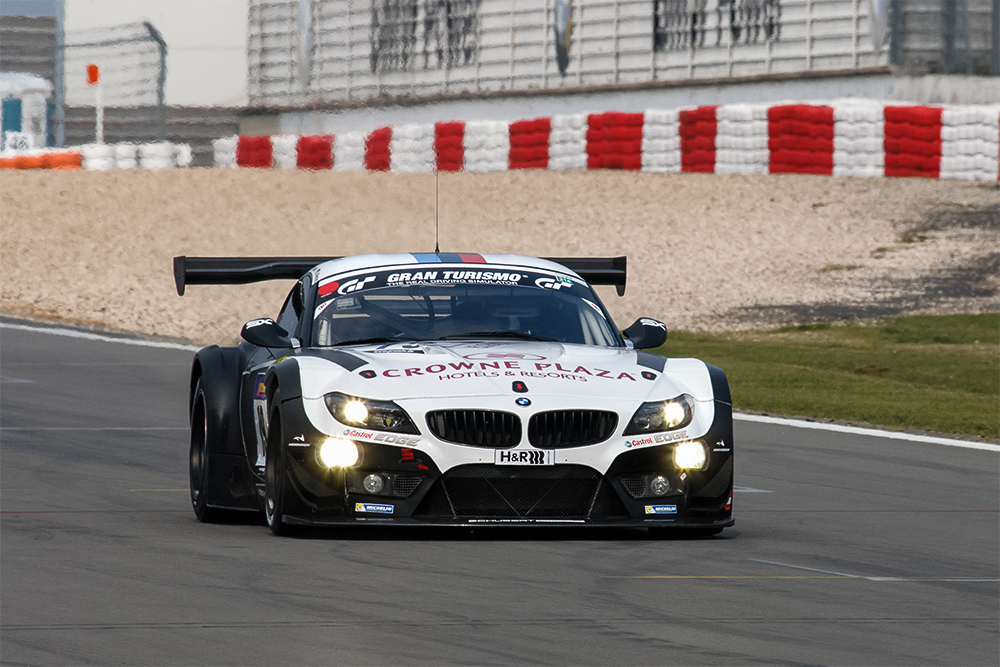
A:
(847, 138)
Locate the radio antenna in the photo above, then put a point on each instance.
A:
(437, 247)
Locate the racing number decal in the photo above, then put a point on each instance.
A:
(260, 416)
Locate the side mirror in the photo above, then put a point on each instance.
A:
(265, 333)
(646, 333)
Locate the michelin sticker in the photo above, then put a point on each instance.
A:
(661, 509)
(373, 508)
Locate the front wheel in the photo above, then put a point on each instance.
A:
(275, 473)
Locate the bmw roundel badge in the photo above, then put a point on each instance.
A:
(523, 402)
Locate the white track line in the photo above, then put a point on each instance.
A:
(802, 567)
(778, 421)
(874, 432)
(86, 335)
(861, 576)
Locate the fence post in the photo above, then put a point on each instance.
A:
(948, 37)
(995, 42)
(60, 74)
(161, 80)
(896, 32)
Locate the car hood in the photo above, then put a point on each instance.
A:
(487, 368)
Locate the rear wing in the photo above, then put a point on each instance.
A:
(245, 270)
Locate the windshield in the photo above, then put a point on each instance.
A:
(454, 302)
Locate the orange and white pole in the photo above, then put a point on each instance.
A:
(94, 79)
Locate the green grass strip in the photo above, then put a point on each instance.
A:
(935, 373)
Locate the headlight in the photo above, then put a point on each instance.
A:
(691, 455)
(339, 452)
(366, 413)
(662, 416)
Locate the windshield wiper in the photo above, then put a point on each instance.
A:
(499, 334)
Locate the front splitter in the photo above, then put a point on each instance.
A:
(342, 522)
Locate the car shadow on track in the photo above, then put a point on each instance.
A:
(500, 534)
(544, 533)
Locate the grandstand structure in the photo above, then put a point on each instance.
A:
(133, 64)
(323, 67)
(341, 53)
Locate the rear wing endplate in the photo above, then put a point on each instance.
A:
(245, 270)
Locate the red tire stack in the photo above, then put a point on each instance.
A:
(698, 128)
(800, 138)
(913, 141)
(529, 144)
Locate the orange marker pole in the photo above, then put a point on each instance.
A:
(94, 79)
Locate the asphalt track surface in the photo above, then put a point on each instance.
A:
(848, 550)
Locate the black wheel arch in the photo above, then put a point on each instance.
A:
(720, 384)
(218, 370)
(284, 374)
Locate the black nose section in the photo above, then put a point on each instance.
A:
(519, 387)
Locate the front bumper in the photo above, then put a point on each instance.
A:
(416, 492)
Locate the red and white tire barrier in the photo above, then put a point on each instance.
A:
(158, 155)
(850, 138)
(61, 159)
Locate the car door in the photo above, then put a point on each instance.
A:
(253, 401)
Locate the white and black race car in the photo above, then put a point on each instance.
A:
(453, 389)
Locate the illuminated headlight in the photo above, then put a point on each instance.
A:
(355, 412)
(691, 455)
(366, 413)
(662, 415)
(338, 452)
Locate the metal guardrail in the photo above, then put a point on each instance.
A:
(335, 51)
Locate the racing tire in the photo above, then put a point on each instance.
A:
(203, 442)
(276, 473)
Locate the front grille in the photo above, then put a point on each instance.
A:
(477, 428)
(570, 428)
(512, 492)
(636, 485)
(404, 485)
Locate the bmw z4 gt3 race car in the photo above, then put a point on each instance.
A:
(453, 389)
